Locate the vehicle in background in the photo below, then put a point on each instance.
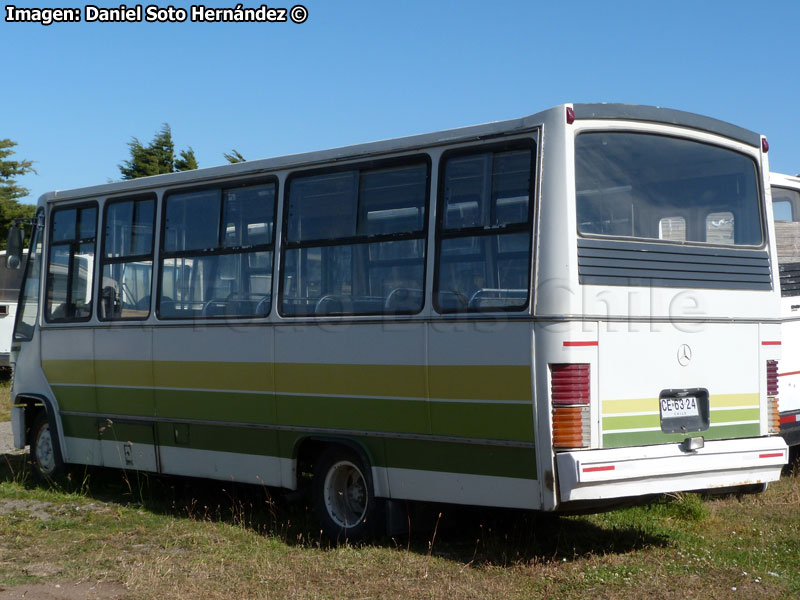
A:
(10, 281)
(786, 212)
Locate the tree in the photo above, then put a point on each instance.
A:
(187, 161)
(157, 157)
(234, 157)
(10, 191)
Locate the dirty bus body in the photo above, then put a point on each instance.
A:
(553, 311)
(786, 211)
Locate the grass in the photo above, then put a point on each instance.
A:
(5, 398)
(177, 538)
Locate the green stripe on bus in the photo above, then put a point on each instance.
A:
(492, 421)
(366, 414)
(734, 416)
(215, 406)
(643, 421)
(462, 382)
(649, 438)
(221, 438)
(81, 427)
(631, 422)
(497, 461)
(425, 455)
(75, 398)
(497, 421)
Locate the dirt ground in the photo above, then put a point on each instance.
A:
(6, 440)
(65, 590)
(60, 589)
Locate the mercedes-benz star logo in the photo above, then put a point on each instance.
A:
(684, 354)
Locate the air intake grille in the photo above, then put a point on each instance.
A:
(602, 262)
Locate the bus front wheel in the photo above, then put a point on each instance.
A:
(344, 500)
(45, 453)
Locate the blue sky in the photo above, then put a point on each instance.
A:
(74, 95)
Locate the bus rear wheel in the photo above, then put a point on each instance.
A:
(45, 452)
(344, 500)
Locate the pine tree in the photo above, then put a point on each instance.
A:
(187, 161)
(10, 191)
(157, 157)
(234, 156)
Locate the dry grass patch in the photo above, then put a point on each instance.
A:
(179, 538)
(5, 399)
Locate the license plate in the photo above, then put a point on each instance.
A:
(684, 410)
(675, 408)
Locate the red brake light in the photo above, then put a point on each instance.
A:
(764, 144)
(570, 115)
(569, 384)
(772, 378)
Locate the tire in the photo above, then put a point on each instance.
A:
(45, 451)
(344, 499)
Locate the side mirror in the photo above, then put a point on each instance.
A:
(14, 248)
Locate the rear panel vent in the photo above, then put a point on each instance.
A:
(605, 262)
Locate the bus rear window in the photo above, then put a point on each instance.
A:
(645, 186)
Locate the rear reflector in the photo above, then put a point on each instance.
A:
(569, 396)
(771, 455)
(596, 469)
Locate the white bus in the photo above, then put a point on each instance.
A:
(553, 312)
(786, 211)
(10, 280)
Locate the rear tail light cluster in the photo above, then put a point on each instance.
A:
(773, 412)
(569, 395)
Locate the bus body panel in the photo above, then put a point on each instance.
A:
(442, 407)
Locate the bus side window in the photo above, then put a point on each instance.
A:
(71, 264)
(218, 253)
(127, 261)
(484, 232)
(355, 242)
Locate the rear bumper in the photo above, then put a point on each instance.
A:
(637, 471)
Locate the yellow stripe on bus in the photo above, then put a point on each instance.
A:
(643, 405)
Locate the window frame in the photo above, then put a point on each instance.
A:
(757, 176)
(126, 259)
(530, 142)
(375, 164)
(37, 235)
(792, 205)
(221, 250)
(78, 206)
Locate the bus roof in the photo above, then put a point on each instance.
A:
(415, 142)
